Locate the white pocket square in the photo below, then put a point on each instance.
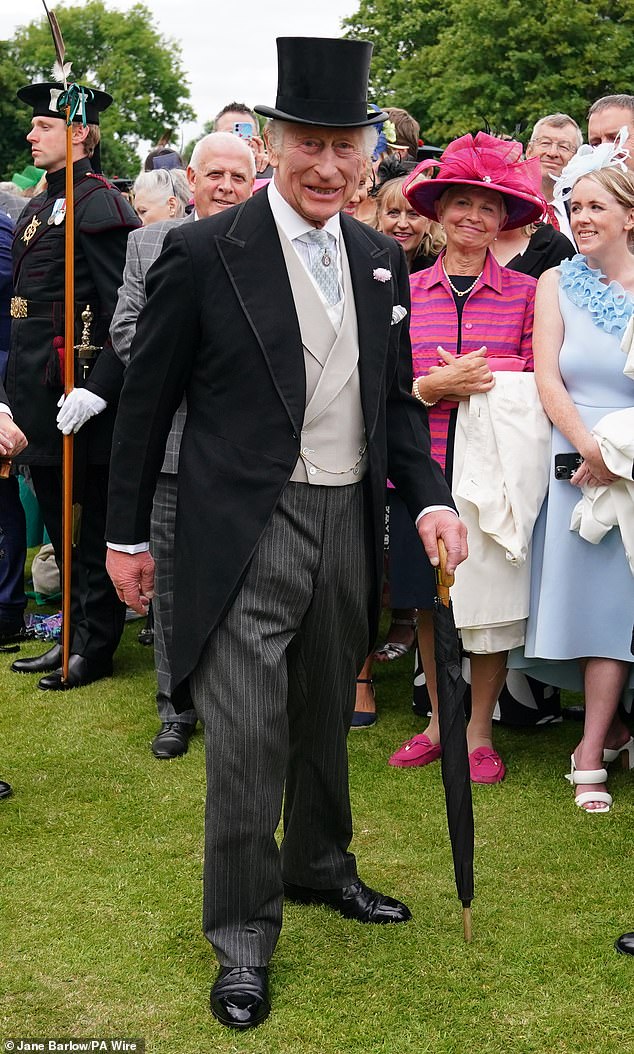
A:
(398, 314)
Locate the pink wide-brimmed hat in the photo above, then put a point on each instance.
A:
(483, 161)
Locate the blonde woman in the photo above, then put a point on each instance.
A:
(583, 593)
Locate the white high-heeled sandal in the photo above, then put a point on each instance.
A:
(580, 777)
(626, 753)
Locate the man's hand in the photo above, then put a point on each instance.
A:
(78, 407)
(12, 440)
(259, 149)
(132, 576)
(444, 524)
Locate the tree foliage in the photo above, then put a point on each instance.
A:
(119, 52)
(501, 62)
(397, 29)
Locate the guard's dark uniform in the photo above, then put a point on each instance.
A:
(103, 219)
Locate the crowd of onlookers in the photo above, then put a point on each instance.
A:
(479, 224)
(241, 378)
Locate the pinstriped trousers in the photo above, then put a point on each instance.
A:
(275, 690)
(162, 528)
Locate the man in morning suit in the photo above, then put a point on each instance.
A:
(221, 173)
(102, 221)
(284, 323)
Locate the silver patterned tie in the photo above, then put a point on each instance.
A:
(323, 265)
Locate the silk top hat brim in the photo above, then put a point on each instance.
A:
(323, 81)
(38, 97)
(484, 162)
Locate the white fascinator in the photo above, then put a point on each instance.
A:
(591, 159)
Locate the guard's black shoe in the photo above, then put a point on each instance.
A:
(240, 996)
(49, 660)
(80, 673)
(356, 901)
(6, 790)
(173, 739)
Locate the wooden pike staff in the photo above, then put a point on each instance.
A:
(69, 342)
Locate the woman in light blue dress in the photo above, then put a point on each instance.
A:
(582, 603)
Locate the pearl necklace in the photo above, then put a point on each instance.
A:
(461, 292)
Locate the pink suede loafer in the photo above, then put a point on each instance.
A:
(486, 766)
(416, 751)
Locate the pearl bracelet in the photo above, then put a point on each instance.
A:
(417, 395)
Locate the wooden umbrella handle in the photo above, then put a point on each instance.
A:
(444, 581)
(5, 467)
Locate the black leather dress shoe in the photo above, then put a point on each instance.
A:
(49, 660)
(6, 790)
(80, 673)
(12, 631)
(173, 739)
(356, 901)
(625, 944)
(240, 996)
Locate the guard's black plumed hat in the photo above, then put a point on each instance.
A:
(42, 98)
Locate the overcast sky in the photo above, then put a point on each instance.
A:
(230, 52)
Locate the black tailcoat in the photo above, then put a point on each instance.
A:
(220, 323)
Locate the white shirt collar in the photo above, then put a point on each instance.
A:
(291, 223)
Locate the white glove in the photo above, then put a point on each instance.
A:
(77, 408)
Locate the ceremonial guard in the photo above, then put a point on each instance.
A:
(102, 221)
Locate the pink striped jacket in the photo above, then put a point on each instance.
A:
(498, 313)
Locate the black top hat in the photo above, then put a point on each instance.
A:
(323, 81)
(43, 98)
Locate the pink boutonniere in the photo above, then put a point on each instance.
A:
(381, 274)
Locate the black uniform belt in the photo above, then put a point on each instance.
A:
(22, 308)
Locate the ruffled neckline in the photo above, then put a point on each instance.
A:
(610, 306)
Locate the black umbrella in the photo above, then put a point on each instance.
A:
(455, 758)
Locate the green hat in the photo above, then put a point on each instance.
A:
(30, 176)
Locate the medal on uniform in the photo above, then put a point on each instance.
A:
(30, 230)
(59, 211)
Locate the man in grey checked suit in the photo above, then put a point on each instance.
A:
(221, 174)
(299, 407)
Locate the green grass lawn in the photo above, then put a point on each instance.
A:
(100, 891)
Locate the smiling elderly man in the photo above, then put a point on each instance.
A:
(554, 140)
(282, 321)
(221, 174)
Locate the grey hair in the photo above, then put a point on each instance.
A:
(624, 102)
(163, 183)
(558, 120)
(275, 130)
(222, 139)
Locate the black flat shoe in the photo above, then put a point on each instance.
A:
(356, 901)
(173, 739)
(49, 660)
(240, 996)
(80, 673)
(625, 944)
(6, 790)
